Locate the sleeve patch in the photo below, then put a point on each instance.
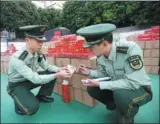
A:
(135, 62)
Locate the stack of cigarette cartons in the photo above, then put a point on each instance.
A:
(4, 63)
(78, 91)
(151, 53)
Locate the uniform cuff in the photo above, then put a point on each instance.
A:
(104, 85)
(51, 77)
(57, 69)
(92, 73)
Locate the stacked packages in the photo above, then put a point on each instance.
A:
(78, 91)
(69, 46)
(151, 34)
(149, 42)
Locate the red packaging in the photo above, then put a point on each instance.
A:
(65, 91)
(155, 29)
(145, 37)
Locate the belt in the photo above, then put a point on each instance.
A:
(15, 84)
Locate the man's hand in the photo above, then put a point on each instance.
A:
(63, 68)
(90, 82)
(63, 74)
(83, 70)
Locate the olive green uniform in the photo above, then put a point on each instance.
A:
(25, 73)
(130, 86)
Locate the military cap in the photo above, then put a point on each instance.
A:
(95, 33)
(35, 31)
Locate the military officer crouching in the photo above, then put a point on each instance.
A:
(24, 76)
(130, 86)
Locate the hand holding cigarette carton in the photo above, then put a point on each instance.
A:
(71, 69)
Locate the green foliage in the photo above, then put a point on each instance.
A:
(18, 13)
(77, 14)
(148, 14)
(51, 17)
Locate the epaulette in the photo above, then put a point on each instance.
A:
(122, 49)
(23, 55)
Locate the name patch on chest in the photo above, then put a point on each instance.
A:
(122, 49)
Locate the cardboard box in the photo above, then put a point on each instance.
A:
(155, 53)
(152, 44)
(84, 87)
(155, 44)
(88, 100)
(51, 60)
(155, 70)
(149, 45)
(91, 62)
(78, 95)
(148, 69)
(59, 89)
(71, 93)
(55, 90)
(147, 61)
(155, 61)
(2, 67)
(5, 58)
(5, 65)
(76, 80)
(63, 61)
(147, 53)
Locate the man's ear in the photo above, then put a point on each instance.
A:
(27, 39)
(105, 43)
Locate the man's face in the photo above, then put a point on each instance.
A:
(34, 44)
(101, 49)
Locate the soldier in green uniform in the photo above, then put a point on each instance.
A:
(130, 86)
(25, 74)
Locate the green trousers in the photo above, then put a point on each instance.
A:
(24, 99)
(127, 101)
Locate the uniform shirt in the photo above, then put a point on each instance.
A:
(118, 68)
(26, 69)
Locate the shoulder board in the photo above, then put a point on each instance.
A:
(23, 55)
(122, 49)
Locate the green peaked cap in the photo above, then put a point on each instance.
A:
(35, 31)
(95, 33)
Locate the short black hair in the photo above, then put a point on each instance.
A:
(109, 38)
